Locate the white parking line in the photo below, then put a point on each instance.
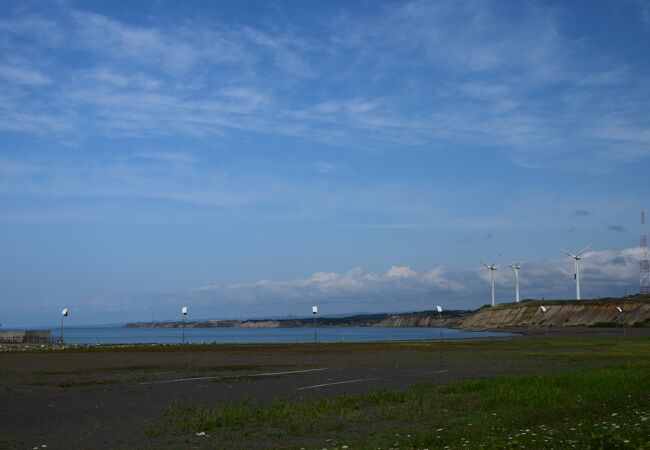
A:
(425, 373)
(337, 382)
(315, 386)
(267, 374)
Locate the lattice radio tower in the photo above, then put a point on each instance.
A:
(644, 266)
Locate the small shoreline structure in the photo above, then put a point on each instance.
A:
(20, 337)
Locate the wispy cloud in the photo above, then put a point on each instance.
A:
(644, 6)
(23, 75)
(467, 75)
(147, 175)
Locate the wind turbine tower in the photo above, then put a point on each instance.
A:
(491, 268)
(644, 266)
(576, 274)
(516, 267)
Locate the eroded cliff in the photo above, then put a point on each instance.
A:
(421, 320)
(561, 313)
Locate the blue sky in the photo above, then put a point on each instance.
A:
(253, 158)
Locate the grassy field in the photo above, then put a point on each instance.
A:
(590, 408)
(602, 401)
(558, 391)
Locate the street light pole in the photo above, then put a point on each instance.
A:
(314, 310)
(619, 310)
(543, 310)
(64, 313)
(439, 309)
(184, 313)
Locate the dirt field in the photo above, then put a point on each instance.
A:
(106, 397)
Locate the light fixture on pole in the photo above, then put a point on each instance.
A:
(184, 313)
(543, 310)
(576, 272)
(516, 267)
(620, 312)
(439, 310)
(314, 311)
(491, 268)
(64, 313)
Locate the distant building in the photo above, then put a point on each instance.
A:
(25, 336)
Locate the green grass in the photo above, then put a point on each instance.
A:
(573, 348)
(77, 383)
(85, 377)
(607, 407)
(158, 367)
(140, 368)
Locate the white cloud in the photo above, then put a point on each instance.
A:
(400, 272)
(603, 272)
(525, 89)
(23, 75)
(137, 44)
(353, 289)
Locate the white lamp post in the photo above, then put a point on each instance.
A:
(184, 313)
(439, 309)
(64, 313)
(314, 311)
(619, 310)
(543, 310)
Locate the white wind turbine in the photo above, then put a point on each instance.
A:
(516, 267)
(491, 268)
(576, 273)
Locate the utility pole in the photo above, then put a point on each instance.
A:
(314, 310)
(184, 313)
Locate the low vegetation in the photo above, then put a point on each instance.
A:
(605, 407)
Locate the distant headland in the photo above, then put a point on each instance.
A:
(635, 311)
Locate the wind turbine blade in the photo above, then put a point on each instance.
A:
(511, 266)
(484, 264)
(583, 250)
(570, 254)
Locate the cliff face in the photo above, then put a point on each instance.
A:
(209, 324)
(526, 313)
(259, 324)
(420, 320)
(560, 313)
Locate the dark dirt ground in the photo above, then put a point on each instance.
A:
(105, 397)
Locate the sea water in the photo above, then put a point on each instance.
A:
(120, 335)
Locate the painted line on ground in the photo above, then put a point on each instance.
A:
(267, 374)
(315, 386)
(423, 373)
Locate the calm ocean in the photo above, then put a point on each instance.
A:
(117, 335)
